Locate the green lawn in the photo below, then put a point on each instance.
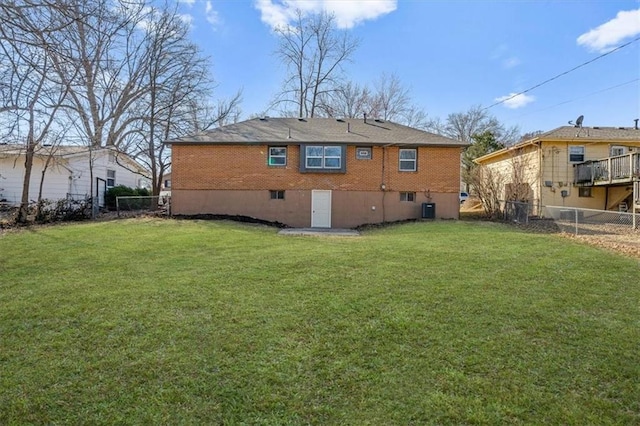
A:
(195, 322)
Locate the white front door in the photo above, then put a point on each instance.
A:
(320, 209)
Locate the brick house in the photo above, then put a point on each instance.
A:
(317, 172)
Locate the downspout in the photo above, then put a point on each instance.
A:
(383, 186)
(606, 197)
(540, 178)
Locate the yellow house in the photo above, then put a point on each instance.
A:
(583, 167)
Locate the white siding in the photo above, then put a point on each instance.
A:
(56, 184)
(63, 176)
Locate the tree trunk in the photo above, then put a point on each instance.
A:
(28, 165)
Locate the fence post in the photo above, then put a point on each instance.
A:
(118, 205)
(576, 213)
(634, 202)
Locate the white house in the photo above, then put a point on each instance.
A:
(75, 172)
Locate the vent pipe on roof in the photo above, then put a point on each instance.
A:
(365, 118)
(636, 126)
(349, 127)
(289, 135)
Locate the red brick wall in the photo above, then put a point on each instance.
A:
(242, 167)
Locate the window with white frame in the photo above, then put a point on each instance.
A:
(408, 196)
(322, 158)
(618, 150)
(276, 195)
(111, 178)
(408, 160)
(112, 157)
(278, 156)
(576, 153)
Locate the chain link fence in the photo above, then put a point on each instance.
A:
(517, 211)
(593, 222)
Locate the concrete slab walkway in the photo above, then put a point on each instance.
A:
(335, 232)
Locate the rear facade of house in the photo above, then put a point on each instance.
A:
(317, 172)
(583, 167)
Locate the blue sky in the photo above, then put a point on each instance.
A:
(451, 54)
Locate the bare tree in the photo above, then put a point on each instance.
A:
(388, 100)
(100, 57)
(463, 125)
(123, 72)
(178, 86)
(510, 180)
(391, 100)
(30, 99)
(314, 51)
(350, 100)
(488, 185)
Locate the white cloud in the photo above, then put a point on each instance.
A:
(500, 51)
(608, 35)
(515, 101)
(502, 54)
(511, 62)
(187, 2)
(187, 19)
(211, 14)
(348, 13)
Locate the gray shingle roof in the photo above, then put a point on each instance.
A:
(576, 135)
(592, 133)
(63, 151)
(317, 130)
(58, 150)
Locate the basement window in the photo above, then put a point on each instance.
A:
(408, 196)
(276, 195)
(584, 192)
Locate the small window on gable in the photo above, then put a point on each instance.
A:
(112, 157)
(584, 192)
(408, 160)
(408, 196)
(278, 156)
(111, 178)
(363, 153)
(276, 195)
(576, 153)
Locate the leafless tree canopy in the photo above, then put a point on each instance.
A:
(314, 51)
(118, 73)
(464, 125)
(30, 99)
(388, 100)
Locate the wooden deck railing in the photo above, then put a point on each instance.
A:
(619, 169)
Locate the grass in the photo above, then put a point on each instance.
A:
(193, 322)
